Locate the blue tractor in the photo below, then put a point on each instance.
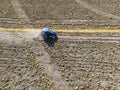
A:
(49, 37)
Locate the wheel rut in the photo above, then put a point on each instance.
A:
(49, 68)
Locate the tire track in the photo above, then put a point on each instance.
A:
(51, 69)
(99, 12)
(101, 38)
(59, 83)
(91, 39)
(18, 9)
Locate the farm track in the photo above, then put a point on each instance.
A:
(64, 24)
(37, 51)
(18, 10)
(92, 39)
(20, 69)
(80, 62)
(108, 6)
(68, 9)
(20, 13)
(58, 22)
(6, 9)
(50, 68)
(55, 77)
(87, 65)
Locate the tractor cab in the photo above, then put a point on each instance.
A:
(49, 36)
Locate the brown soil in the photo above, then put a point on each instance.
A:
(61, 24)
(52, 9)
(88, 65)
(62, 14)
(19, 68)
(50, 76)
(6, 9)
(80, 64)
(110, 6)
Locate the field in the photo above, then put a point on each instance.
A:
(78, 61)
(6, 9)
(88, 65)
(61, 9)
(57, 14)
(19, 68)
(109, 6)
(83, 64)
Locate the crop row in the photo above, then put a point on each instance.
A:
(6, 9)
(52, 9)
(87, 65)
(19, 68)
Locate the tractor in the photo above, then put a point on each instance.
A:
(49, 36)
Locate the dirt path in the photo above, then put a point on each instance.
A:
(94, 39)
(56, 78)
(90, 38)
(45, 61)
(99, 12)
(20, 12)
(18, 9)
(49, 67)
(107, 39)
